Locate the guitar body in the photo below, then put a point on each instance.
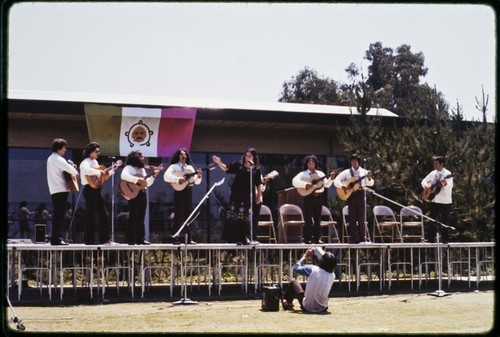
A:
(345, 193)
(428, 194)
(316, 183)
(188, 176)
(130, 190)
(96, 182)
(351, 185)
(71, 182)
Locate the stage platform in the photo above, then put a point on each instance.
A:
(212, 271)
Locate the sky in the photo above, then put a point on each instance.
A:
(242, 51)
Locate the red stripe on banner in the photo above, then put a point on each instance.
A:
(175, 130)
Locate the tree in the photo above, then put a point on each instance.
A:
(403, 152)
(308, 87)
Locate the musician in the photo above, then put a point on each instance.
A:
(313, 202)
(133, 172)
(440, 205)
(237, 225)
(96, 209)
(58, 188)
(180, 164)
(356, 201)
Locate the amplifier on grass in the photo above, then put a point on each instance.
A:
(270, 298)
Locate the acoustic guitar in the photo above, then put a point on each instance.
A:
(130, 190)
(265, 180)
(188, 177)
(350, 186)
(316, 183)
(71, 180)
(429, 193)
(96, 182)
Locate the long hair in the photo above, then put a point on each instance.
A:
(134, 159)
(255, 155)
(176, 157)
(91, 147)
(313, 158)
(58, 144)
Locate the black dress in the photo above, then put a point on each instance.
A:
(237, 225)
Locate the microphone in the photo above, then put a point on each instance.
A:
(250, 161)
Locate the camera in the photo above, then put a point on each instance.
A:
(318, 253)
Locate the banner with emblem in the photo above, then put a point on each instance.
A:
(156, 132)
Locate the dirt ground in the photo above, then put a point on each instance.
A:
(468, 312)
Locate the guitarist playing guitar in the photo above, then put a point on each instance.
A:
(92, 178)
(349, 185)
(311, 182)
(182, 175)
(437, 189)
(134, 172)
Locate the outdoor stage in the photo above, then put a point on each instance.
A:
(134, 269)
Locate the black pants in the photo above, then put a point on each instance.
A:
(96, 210)
(356, 218)
(137, 208)
(183, 201)
(312, 215)
(59, 203)
(439, 212)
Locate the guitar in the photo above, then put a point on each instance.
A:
(130, 190)
(315, 182)
(350, 186)
(96, 182)
(71, 180)
(428, 194)
(265, 180)
(187, 177)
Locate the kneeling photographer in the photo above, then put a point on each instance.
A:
(320, 277)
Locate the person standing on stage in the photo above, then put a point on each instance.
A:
(440, 180)
(313, 202)
(237, 225)
(134, 172)
(180, 164)
(96, 209)
(58, 187)
(320, 277)
(356, 202)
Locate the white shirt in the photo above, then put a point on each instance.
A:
(56, 165)
(302, 178)
(87, 168)
(174, 173)
(444, 196)
(133, 174)
(346, 175)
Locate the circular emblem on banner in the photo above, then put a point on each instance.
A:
(139, 133)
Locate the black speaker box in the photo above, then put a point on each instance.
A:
(40, 233)
(270, 298)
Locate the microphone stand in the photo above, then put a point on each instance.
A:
(250, 209)
(185, 299)
(367, 232)
(439, 292)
